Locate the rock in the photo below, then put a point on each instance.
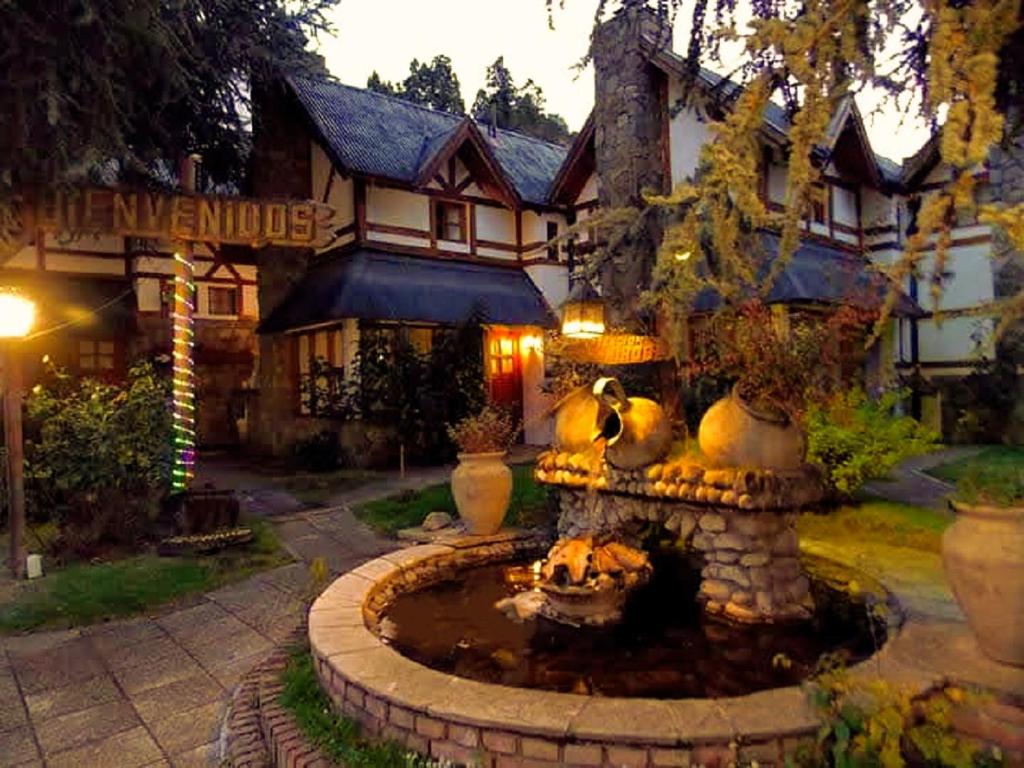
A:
(733, 573)
(435, 521)
(654, 472)
(720, 478)
(716, 590)
(732, 541)
(745, 501)
(729, 499)
(562, 460)
(741, 613)
(711, 522)
(755, 559)
(786, 543)
(712, 495)
(687, 523)
(798, 589)
(691, 473)
(521, 607)
(703, 542)
(726, 556)
(760, 578)
(785, 569)
(660, 487)
(765, 602)
(741, 597)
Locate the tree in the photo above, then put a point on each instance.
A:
(433, 85)
(521, 109)
(140, 83)
(957, 62)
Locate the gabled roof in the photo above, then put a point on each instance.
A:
(579, 164)
(378, 135)
(477, 155)
(921, 163)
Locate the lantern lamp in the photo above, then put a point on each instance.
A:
(583, 312)
(17, 314)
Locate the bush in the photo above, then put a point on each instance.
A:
(98, 456)
(855, 438)
(321, 452)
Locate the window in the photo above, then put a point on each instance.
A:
(450, 221)
(223, 301)
(95, 356)
(321, 372)
(552, 234)
(819, 204)
(502, 356)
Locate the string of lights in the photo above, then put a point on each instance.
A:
(183, 371)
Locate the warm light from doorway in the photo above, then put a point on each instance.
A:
(17, 314)
(530, 343)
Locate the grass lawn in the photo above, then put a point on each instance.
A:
(84, 593)
(405, 510)
(877, 521)
(338, 737)
(315, 489)
(996, 459)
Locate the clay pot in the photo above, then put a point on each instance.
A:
(983, 555)
(578, 419)
(638, 432)
(734, 434)
(482, 487)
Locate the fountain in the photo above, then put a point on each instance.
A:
(615, 475)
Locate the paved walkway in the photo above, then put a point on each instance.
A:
(909, 484)
(152, 690)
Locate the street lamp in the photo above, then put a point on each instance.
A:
(17, 314)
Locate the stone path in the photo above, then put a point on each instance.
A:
(152, 691)
(909, 484)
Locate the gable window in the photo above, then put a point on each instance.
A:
(223, 301)
(95, 356)
(552, 234)
(819, 204)
(450, 221)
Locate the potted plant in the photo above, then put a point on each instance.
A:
(778, 364)
(983, 556)
(482, 482)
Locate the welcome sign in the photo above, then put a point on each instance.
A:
(169, 216)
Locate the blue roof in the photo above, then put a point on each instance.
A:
(821, 274)
(376, 285)
(380, 135)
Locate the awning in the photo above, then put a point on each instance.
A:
(375, 285)
(79, 306)
(818, 273)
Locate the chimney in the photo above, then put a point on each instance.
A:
(630, 105)
(631, 144)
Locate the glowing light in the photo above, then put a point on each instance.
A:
(17, 314)
(530, 343)
(183, 373)
(583, 313)
(683, 256)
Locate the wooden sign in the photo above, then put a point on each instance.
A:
(613, 349)
(171, 216)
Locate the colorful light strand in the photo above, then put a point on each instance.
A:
(183, 371)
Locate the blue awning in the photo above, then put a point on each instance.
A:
(375, 285)
(818, 273)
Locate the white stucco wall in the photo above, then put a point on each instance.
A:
(552, 280)
(688, 132)
(397, 207)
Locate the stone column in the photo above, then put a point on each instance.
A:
(752, 569)
(281, 167)
(631, 148)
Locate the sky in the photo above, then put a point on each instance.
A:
(385, 35)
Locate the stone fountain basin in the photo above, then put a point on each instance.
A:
(444, 716)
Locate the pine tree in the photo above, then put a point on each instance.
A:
(521, 109)
(433, 85)
(140, 83)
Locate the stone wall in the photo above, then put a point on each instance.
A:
(630, 117)
(281, 166)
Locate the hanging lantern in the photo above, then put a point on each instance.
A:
(583, 312)
(17, 314)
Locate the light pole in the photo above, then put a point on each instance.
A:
(17, 314)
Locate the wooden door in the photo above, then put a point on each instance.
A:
(505, 371)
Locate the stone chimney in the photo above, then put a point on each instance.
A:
(631, 148)
(630, 105)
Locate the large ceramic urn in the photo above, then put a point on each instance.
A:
(983, 554)
(482, 487)
(733, 433)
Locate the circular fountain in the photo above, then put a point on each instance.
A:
(603, 648)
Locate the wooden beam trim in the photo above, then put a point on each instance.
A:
(497, 246)
(392, 229)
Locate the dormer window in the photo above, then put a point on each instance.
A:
(450, 221)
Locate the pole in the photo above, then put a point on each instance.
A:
(13, 439)
(183, 352)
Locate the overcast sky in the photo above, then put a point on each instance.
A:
(384, 35)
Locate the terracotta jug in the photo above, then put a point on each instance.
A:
(637, 429)
(734, 434)
(579, 417)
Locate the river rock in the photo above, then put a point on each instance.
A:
(711, 522)
(435, 521)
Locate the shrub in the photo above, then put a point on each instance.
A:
(998, 486)
(488, 431)
(855, 438)
(321, 452)
(97, 455)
